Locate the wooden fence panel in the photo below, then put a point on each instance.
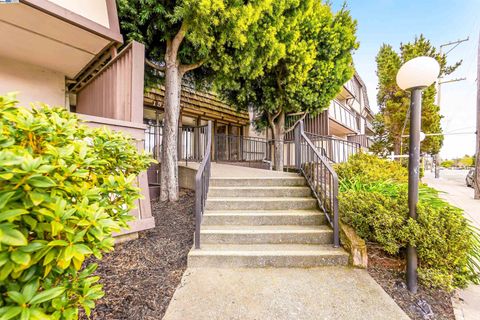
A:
(114, 98)
(116, 91)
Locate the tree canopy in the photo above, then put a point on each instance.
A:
(394, 103)
(303, 60)
(202, 30)
(198, 37)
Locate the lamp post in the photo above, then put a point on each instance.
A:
(415, 75)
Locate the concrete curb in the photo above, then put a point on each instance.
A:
(457, 307)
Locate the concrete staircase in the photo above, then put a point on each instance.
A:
(270, 221)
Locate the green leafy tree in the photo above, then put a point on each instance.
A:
(303, 61)
(447, 164)
(189, 37)
(65, 189)
(393, 119)
(466, 161)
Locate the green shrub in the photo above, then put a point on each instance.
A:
(448, 247)
(64, 189)
(370, 168)
(377, 217)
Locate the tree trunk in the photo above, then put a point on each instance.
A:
(279, 131)
(169, 164)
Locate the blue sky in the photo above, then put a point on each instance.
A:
(441, 21)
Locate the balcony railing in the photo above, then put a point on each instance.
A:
(343, 116)
(335, 150)
(362, 139)
(369, 125)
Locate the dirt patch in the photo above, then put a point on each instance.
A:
(140, 276)
(389, 272)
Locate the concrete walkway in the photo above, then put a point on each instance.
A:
(277, 294)
(222, 170)
(452, 183)
(336, 292)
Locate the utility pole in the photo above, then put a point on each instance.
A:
(436, 157)
(477, 155)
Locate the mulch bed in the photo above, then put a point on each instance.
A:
(389, 272)
(140, 276)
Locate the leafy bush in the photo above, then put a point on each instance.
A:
(370, 168)
(377, 217)
(375, 204)
(64, 189)
(447, 164)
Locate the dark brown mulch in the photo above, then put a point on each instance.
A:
(389, 272)
(140, 276)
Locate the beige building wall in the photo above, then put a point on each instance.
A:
(33, 83)
(95, 10)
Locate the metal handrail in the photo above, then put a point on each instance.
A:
(202, 183)
(321, 177)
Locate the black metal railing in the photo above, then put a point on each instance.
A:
(202, 183)
(153, 140)
(320, 176)
(240, 148)
(336, 150)
(191, 142)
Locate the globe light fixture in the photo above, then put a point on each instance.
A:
(419, 72)
(415, 75)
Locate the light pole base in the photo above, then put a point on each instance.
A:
(412, 263)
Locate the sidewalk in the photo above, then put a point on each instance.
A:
(281, 294)
(467, 304)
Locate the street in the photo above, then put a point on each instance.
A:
(452, 183)
(455, 191)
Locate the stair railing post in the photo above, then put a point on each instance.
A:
(298, 147)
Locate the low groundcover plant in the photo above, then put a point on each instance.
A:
(65, 189)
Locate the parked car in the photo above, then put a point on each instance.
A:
(470, 178)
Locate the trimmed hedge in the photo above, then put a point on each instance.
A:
(373, 199)
(64, 189)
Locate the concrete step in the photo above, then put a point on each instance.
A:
(264, 217)
(260, 203)
(263, 191)
(266, 255)
(246, 234)
(288, 180)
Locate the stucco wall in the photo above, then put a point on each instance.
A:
(95, 10)
(186, 177)
(34, 84)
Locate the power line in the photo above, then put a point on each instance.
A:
(439, 90)
(443, 134)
